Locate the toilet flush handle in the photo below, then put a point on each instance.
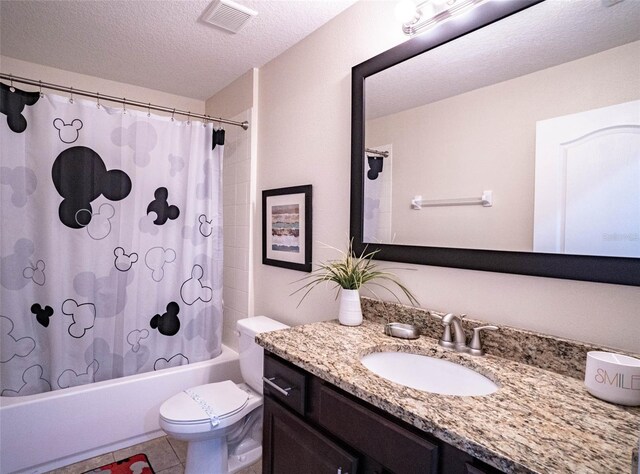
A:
(270, 382)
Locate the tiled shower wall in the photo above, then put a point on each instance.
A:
(237, 201)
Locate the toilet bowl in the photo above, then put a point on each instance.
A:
(222, 422)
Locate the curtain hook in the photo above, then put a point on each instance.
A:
(172, 114)
(219, 123)
(98, 102)
(124, 106)
(189, 117)
(71, 95)
(40, 90)
(206, 119)
(11, 88)
(149, 110)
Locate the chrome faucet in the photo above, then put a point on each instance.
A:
(459, 340)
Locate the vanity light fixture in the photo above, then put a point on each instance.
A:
(426, 14)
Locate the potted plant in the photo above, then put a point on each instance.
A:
(349, 273)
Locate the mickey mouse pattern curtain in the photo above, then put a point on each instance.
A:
(110, 242)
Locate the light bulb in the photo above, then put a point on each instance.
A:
(405, 11)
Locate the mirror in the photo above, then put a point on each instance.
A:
(509, 145)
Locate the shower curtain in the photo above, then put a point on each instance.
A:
(110, 242)
(377, 196)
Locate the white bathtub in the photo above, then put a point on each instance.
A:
(49, 430)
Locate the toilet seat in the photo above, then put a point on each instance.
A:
(211, 403)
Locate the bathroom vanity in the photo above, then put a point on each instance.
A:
(337, 416)
(326, 429)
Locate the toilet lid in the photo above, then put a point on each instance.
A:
(205, 403)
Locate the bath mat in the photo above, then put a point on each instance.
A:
(136, 464)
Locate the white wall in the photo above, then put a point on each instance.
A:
(236, 199)
(235, 98)
(236, 101)
(304, 138)
(42, 73)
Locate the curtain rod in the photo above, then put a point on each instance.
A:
(122, 100)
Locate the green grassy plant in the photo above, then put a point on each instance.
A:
(351, 272)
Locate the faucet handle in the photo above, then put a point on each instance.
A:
(475, 346)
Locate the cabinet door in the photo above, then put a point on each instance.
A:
(455, 461)
(397, 449)
(293, 447)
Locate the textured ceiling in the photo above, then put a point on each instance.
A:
(159, 44)
(545, 35)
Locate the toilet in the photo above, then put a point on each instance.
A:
(222, 421)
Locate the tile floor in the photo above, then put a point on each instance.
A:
(166, 455)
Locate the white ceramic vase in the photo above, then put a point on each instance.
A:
(350, 313)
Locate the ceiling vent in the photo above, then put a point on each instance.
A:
(228, 15)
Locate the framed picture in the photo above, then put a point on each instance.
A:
(286, 227)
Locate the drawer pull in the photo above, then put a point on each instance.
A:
(270, 382)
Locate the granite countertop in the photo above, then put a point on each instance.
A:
(538, 421)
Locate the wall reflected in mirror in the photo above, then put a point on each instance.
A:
(542, 109)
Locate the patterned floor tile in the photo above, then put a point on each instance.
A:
(179, 469)
(180, 448)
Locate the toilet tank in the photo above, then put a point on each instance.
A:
(251, 354)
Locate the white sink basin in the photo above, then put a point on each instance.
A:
(428, 374)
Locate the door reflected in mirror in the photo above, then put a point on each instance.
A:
(541, 110)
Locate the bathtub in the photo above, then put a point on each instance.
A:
(45, 431)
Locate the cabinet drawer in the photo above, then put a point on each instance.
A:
(396, 448)
(285, 383)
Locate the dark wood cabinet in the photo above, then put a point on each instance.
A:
(396, 448)
(292, 446)
(311, 426)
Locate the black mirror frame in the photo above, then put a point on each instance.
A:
(615, 270)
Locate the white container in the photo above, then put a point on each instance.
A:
(350, 313)
(613, 377)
